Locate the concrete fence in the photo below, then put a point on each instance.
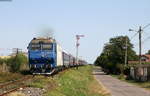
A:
(140, 72)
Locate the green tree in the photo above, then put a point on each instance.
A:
(113, 55)
(148, 52)
(17, 63)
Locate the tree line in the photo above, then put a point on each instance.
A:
(14, 64)
(112, 58)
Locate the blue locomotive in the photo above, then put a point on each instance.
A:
(46, 56)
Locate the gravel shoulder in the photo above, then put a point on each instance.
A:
(117, 87)
(28, 91)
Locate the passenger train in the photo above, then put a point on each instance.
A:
(46, 56)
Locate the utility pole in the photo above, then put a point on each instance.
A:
(16, 51)
(126, 52)
(140, 46)
(77, 47)
(140, 36)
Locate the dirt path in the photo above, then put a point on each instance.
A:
(117, 87)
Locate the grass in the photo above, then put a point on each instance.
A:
(42, 82)
(6, 77)
(71, 82)
(145, 85)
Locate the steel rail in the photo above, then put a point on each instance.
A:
(13, 86)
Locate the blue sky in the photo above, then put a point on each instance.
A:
(98, 20)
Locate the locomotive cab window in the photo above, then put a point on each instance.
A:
(41, 46)
(35, 47)
(47, 47)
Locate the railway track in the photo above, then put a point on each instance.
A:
(14, 85)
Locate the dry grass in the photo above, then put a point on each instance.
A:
(5, 77)
(16, 94)
(95, 87)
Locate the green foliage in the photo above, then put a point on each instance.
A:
(17, 63)
(2, 60)
(113, 55)
(148, 52)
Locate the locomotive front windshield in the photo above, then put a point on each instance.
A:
(43, 46)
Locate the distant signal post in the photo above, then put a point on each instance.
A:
(77, 47)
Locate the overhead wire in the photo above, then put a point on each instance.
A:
(146, 33)
(134, 36)
(145, 40)
(138, 31)
(142, 32)
(146, 26)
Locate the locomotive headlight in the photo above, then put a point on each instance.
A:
(41, 66)
(47, 62)
(34, 65)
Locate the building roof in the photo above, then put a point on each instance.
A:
(148, 56)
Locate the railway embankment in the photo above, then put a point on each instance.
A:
(70, 82)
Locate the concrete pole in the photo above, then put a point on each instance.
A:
(140, 46)
(126, 52)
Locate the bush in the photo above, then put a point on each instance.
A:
(17, 63)
(2, 61)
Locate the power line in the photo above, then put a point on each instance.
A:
(146, 26)
(134, 36)
(138, 31)
(146, 39)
